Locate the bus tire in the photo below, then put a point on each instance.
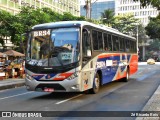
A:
(127, 76)
(96, 84)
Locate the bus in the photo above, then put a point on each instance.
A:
(77, 56)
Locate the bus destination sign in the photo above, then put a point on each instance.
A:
(41, 33)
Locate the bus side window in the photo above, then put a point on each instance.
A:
(135, 47)
(127, 45)
(105, 42)
(115, 43)
(100, 41)
(131, 46)
(109, 42)
(122, 45)
(94, 39)
(97, 40)
(86, 43)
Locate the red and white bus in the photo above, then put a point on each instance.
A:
(75, 56)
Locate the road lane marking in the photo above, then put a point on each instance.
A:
(68, 99)
(15, 95)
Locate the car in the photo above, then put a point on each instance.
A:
(150, 61)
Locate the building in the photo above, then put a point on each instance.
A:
(59, 6)
(97, 7)
(129, 6)
(8, 44)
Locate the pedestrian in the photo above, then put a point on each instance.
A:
(13, 70)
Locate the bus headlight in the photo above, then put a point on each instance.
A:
(74, 75)
(29, 77)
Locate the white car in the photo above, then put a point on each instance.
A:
(150, 61)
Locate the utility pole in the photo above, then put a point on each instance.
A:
(137, 39)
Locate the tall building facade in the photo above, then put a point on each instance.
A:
(60, 6)
(129, 6)
(97, 7)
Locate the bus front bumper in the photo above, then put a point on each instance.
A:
(52, 86)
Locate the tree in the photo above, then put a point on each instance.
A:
(94, 21)
(68, 16)
(23, 22)
(142, 36)
(107, 17)
(153, 28)
(54, 16)
(126, 23)
(6, 20)
(154, 3)
(87, 8)
(14, 26)
(154, 45)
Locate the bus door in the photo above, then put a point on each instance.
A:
(86, 57)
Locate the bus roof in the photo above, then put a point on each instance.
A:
(77, 24)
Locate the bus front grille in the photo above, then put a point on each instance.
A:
(54, 86)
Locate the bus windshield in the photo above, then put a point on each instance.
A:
(53, 47)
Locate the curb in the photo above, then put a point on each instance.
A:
(152, 106)
(9, 86)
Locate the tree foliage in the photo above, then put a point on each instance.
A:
(14, 26)
(155, 45)
(6, 25)
(107, 17)
(154, 3)
(126, 23)
(153, 28)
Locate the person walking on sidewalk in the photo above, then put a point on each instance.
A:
(13, 70)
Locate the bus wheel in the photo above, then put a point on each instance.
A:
(127, 76)
(96, 85)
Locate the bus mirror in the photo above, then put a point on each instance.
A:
(89, 53)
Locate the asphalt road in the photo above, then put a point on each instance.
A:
(115, 96)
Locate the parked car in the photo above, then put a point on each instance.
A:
(150, 61)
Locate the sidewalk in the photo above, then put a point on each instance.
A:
(153, 106)
(11, 83)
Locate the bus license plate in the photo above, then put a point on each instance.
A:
(48, 89)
